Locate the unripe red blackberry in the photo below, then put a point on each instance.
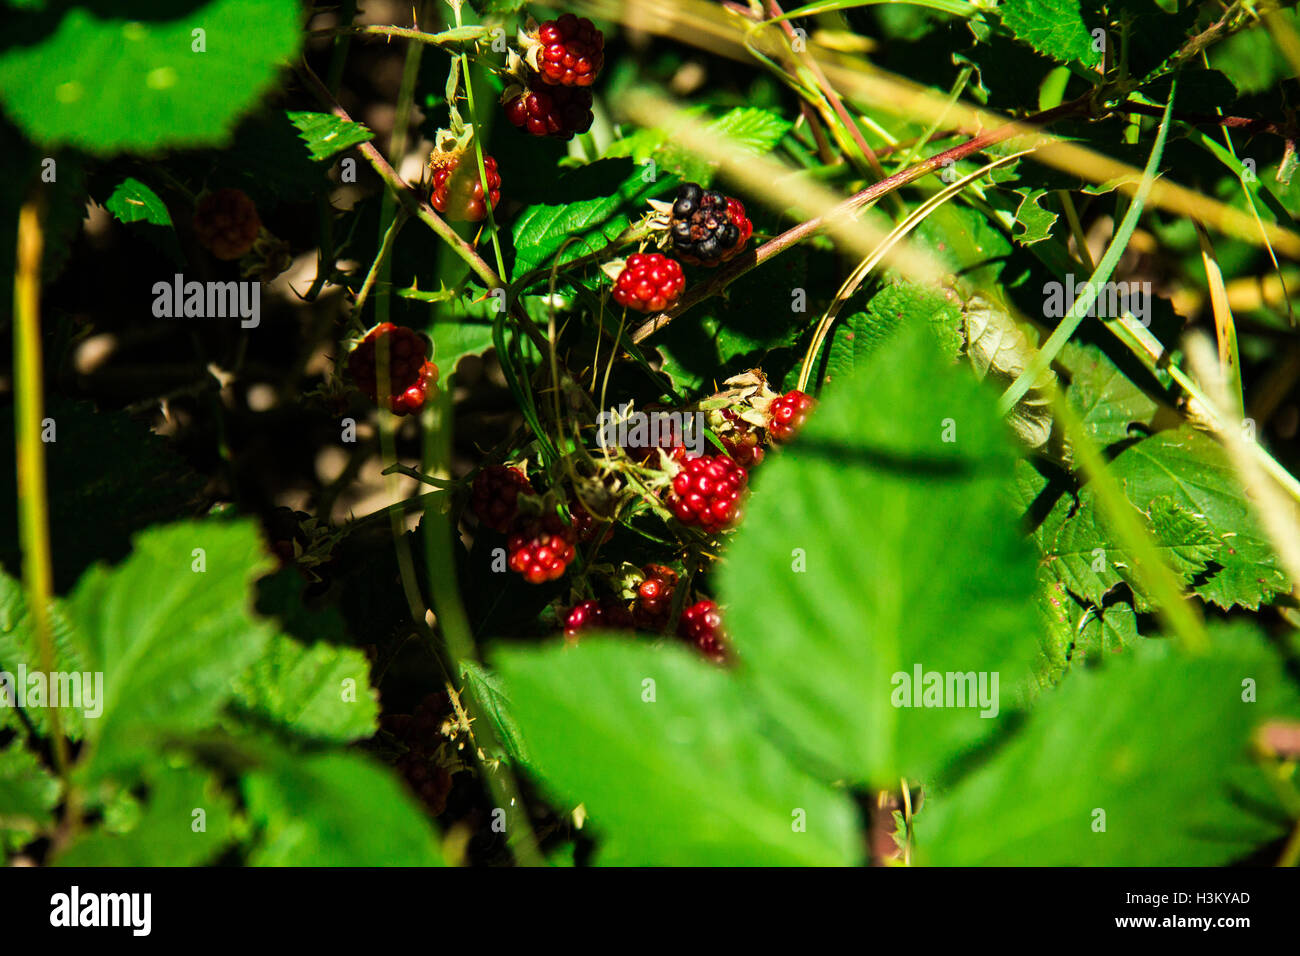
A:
(701, 625)
(788, 414)
(707, 492)
(540, 548)
(649, 282)
(570, 51)
(494, 496)
(707, 227)
(559, 111)
(457, 191)
(605, 614)
(411, 377)
(654, 597)
(226, 223)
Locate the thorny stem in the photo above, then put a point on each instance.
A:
(774, 247)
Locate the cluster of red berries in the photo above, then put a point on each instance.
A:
(649, 282)
(707, 227)
(457, 191)
(226, 223)
(605, 614)
(563, 58)
(572, 51)
(539, 547)
(788, 414)
(707, 492)
(700, 624)
(494, 496)
(412, 378)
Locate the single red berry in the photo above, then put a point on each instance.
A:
(457, 191)
(412, 378)
(707, 492)
(572, 51)
(605, 614)
(559, 111)
(707, 227)
(540, 548)
(226, 223)
(788, 413)
(654, 597)
(741, 442)
(649, 282)
(494, 496)
(701, 625)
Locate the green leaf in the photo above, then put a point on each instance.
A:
(1083, 558)
(326, 135)
(1054, 28)
(665, 754)
(747, 128)
(133, 201)
(495, 703)
(169, 639)
(28, 794)
(1033, 222)
(1106, 400)
(1190, 467)
(168, 831)
(855, 341)
(320, 692)
(1157, 741)
(335, 810)
(109, 84)
(19, 649)
(604, 192)
(877, 546)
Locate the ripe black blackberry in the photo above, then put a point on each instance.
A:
(707, 227)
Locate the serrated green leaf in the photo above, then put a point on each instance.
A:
(1054, 28)
(1190, 467)
(170, 640)
(169, 831)
(133, 201)
(19, 650)
(663, 751)
(321, 692)
(495, 703)
(1156, 741)
(1083, 556)
(335, 810)
(28, 795)
(747, 128)
(608, 189)
(1106, 400)
(109, 84)
(855, 340)
(326, 134)
(874, 541)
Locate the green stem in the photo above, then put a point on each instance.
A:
(33, 506)
(1044, 357)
